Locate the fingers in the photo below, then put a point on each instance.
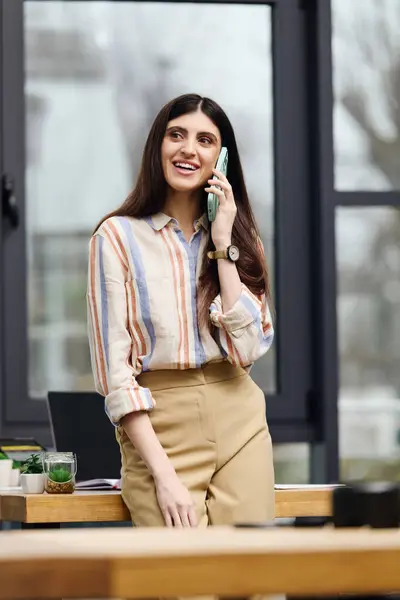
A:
(185, 518)
(180, 517)
(192, 517)
(176, 518)
(218, 192)
(168, 519)
(221, 176)
(176, 504)
(222, 182)
(171, 517)
(224, 185)
(187, 514)
(220, 187)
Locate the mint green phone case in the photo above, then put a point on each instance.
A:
(212, 200)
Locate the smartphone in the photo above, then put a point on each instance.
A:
(212, 200)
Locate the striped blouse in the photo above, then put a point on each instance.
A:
(141, 299)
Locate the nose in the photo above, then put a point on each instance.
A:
(188, 148)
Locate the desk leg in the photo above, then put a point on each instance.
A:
(26, 526)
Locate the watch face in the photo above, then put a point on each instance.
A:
(233, 253)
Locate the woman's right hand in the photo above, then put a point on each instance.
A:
(175, 502)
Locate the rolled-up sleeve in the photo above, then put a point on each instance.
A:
(112, 351)
(245, 331)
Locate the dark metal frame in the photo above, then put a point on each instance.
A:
(325, 453)
(14, 325)
(2, 348)
(368, 198)
(292, 219)
(265, 2)
(305, 407)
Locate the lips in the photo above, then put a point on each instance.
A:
(185, 167)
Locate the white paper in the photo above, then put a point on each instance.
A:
(99, 484)
(307, 486)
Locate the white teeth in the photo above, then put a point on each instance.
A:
(185, 166)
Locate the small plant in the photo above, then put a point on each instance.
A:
(3, 456)
(60, 470)
(16, 464)
(33, 465)
(60, 481)
(60, 475)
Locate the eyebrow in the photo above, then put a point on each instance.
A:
(183, 130)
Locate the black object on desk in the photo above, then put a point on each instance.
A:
(79, 424)
(374, 504)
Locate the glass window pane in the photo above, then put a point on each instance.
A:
(368, 259)
(366, 61)
(292, 463)
(96, 75)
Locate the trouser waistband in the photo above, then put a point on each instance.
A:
(209, 373)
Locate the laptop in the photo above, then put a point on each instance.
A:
(79, 424)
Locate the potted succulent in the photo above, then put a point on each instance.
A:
(5, 470)
(60, 471)
(32, 476)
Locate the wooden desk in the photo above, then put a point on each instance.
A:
(82, 507)
(128, 563)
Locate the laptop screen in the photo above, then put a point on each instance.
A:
(80, 425)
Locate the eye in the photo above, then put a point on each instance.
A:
(176, 135)
(205, 140)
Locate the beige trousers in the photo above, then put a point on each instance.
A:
(211, 423)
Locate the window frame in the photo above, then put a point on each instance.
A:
(328, 200)
(305, 401)
(334, 199)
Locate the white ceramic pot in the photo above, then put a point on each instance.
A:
(14, 480)
(32, 483)
(5, 472)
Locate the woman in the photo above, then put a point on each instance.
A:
(178, 311)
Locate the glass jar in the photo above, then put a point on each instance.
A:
(59, 469)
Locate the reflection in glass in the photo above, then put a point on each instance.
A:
(368, 258)
(96, 75)
(366, 61)
(292, 463)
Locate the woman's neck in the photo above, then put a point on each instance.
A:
(184, 208)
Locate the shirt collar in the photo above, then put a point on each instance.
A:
(202, 222)
(160, 220)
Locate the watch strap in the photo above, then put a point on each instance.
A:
(215, 254)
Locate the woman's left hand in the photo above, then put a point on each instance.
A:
(221, 227)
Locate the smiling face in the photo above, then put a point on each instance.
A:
(189, 151)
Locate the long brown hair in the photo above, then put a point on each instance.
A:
(149, 195)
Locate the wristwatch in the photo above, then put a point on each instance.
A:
(231, 253)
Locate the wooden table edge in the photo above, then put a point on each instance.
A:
(332, 570)
(31, 508)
